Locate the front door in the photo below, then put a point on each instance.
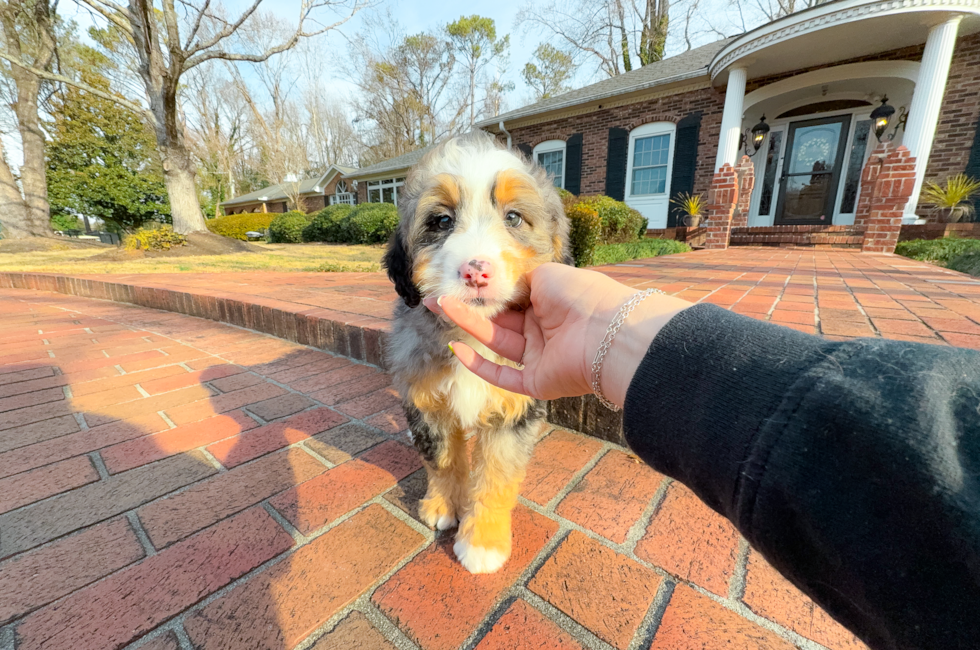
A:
(811, 171)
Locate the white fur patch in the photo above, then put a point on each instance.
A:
(477, 559)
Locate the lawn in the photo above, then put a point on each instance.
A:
(274, 257)
(953, 253)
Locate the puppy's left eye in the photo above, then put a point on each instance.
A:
(513, 219)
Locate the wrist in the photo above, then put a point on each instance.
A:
(631, 342)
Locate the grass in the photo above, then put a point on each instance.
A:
(953, 253)
(616, 253)
(274, 257)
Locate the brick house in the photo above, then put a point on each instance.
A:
(331, 187)
(783, 112)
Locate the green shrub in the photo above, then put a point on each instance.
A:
(150, 238)
(371, 223)
(62, 221)
(287, 228)
(644, 227)
(567, 198)
(940, 251)
(584, 234)
(236, 225)
(967, 263)
(620, 223)
(616, 253)
(328, 224)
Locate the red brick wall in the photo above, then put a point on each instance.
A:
(595, 126)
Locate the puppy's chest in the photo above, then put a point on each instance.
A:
(469, 396)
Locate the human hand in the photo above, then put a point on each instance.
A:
(556, 338)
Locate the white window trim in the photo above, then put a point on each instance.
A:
(341, 195)
(393, 183)
(645, 131)
(549, 146)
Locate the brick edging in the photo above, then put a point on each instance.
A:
(357, 337)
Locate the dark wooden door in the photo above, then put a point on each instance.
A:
(811, 171)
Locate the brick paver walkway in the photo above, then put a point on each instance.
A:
(169, 482)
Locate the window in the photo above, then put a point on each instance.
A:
(342, 195)
(855, 165)
(550, 155)
(385, 191)
(651, 155)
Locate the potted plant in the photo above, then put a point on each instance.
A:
(692, 205)
(952, 201)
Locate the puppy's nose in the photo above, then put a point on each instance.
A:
(476, 273)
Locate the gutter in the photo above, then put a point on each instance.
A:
(505, 132)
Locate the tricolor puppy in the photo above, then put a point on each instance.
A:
(474, 219)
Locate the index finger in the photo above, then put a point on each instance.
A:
(502, 340)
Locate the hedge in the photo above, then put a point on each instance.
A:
(620, 223)
(967, 263)
(287, 228)
(616, 253)
(327, 224)
(941, 251)
(372, 223)
(584, 234)
(236, 225)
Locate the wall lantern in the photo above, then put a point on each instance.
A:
(881, 116)
(759, 132)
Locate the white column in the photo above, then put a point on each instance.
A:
(731, 119)
(927, 99)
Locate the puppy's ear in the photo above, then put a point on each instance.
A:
(398, 262)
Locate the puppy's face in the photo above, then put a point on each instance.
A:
(475, 220)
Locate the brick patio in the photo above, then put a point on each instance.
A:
(169, 482)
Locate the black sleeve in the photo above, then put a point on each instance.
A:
(853, 467)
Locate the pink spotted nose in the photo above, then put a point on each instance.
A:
(476, 273)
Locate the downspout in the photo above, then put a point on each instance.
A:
(505, 132)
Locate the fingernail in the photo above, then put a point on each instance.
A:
(439, 302)
(452, 350)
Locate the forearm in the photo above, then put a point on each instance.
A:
(852, 467)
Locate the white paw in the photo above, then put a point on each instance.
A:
(477, 559)
(446, 522)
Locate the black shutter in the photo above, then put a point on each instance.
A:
(616, 153)
(685, 163)
(573, 164)
(973, 163)
(525, 149)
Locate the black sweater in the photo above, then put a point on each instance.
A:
(853, 467)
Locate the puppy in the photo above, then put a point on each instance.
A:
(474, 219)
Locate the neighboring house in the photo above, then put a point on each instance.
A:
(314, 194)
(815, 76)
(379, 183)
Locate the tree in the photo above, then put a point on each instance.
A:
(608, 31)
(475, 41)
(29, 36)
(102, 161)
(165, 44)
(550, 73)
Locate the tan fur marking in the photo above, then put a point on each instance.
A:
(515, 188)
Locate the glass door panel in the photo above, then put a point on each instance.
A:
(811, 171)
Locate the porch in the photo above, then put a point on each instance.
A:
(816, 102)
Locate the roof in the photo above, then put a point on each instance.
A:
(397, 163)
(275, 193)
(690, 64)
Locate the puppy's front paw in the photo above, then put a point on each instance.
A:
(477, 559)
(436, 513)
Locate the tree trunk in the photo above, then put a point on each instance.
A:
(33, 175)
(13, 209)
(178, 175)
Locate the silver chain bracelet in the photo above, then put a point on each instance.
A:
(614, 327)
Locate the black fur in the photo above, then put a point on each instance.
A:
(398, 263)
(428, 442)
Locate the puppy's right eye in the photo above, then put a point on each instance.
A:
(441, 222)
